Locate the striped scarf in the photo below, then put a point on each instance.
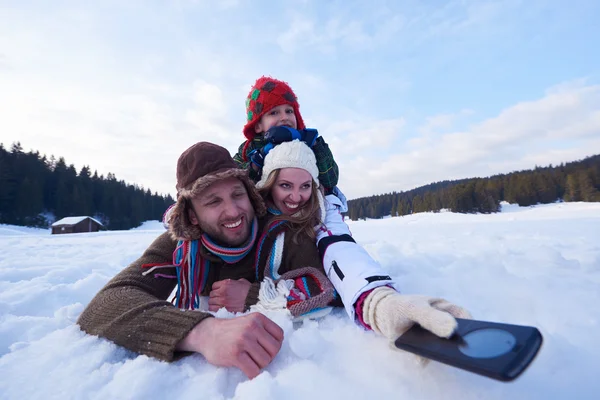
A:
(192, 268)
(300, 300)
(276, 253)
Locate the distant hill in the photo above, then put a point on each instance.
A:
(574, 181)
(35, 191)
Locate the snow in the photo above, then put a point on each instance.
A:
(73, 221)
(12, 230)
(151, 226)
(535, 266)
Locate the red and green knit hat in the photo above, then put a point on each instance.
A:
(267, 93)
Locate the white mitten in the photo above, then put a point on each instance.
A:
(391, 313)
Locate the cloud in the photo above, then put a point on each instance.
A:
(131, 135)
(209, 116)
(363, 137)
(563, 125)
(127, 88)
(365, 27)
(123, 106)
(442, 122)
(221, 4)
(4, 62)
(352, 28)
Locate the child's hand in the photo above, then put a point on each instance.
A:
(257, 157)
(309, 136)
(280, 134)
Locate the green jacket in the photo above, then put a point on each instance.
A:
(328, 169)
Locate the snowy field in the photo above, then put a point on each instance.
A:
(535, 266)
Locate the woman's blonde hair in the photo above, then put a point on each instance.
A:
(305, 220)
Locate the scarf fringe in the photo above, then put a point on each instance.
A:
(192, 274)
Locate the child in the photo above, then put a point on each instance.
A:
(273, 116)
(272, 108)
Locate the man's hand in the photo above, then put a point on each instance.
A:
(230, 294)
(249, 342)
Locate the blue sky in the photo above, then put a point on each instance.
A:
(404, 92)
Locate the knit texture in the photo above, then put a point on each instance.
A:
(192, 268)
(132, 309)
(305, 279)
(391, 314)
(273, 297)
(293, 154)
(300, 262)
(265, 94)
(328, 169)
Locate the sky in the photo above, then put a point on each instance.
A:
(536, 266)
(404, 92)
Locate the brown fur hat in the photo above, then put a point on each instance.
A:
(198, 167)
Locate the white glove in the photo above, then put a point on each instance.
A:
(391, 313)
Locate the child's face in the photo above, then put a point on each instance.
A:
(282, 115)
(292, 190)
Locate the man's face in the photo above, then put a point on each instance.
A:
(282, 115)
(224, 212)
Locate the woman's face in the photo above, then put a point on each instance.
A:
(291, 190)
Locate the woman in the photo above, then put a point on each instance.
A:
(295, 205)
(291, 190)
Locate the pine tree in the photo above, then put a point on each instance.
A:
(587, 189)
(29, 204)
(572, 192)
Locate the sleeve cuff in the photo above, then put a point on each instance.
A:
(252, 297)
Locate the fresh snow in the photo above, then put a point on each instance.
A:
(535, 266)
(12, 230)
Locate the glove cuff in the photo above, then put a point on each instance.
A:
(320, 294)
(383, 312)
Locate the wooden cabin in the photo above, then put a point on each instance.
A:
(76, 225)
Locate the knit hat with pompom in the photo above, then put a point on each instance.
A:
(266, 94)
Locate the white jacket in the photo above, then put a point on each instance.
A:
(347, 265)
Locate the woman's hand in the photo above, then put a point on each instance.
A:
(230, 294)
(391, 313)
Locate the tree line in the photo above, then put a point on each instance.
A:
(36, 190)
(575, 181)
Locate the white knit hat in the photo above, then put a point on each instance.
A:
(294, 154)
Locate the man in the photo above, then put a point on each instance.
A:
(215, 201)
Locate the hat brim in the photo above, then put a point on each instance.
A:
(180, 226)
